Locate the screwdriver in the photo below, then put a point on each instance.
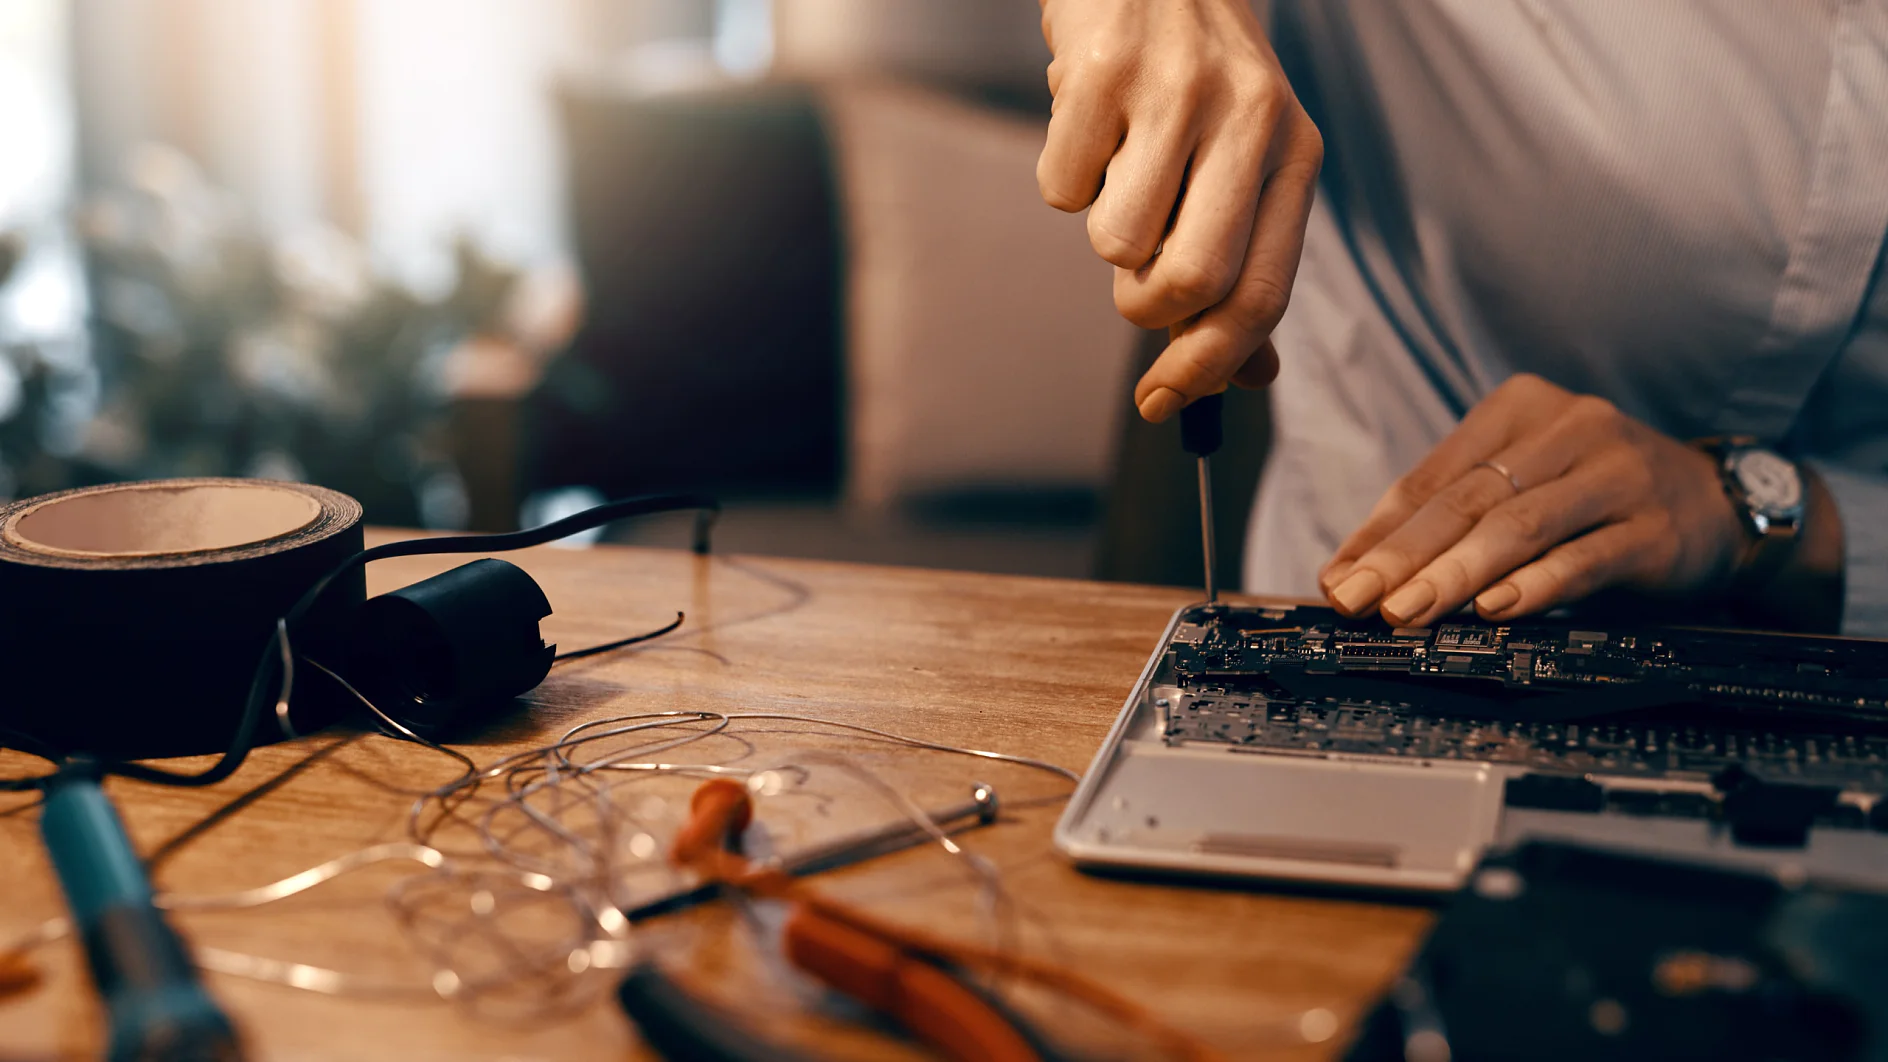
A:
(932, 999)
(1200, 435)
(708, 830)
(156, 1009)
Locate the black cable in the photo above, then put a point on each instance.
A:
(260, 699)
(578, 654)
(31, 746)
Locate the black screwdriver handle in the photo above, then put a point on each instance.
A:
(681, 1028)
(1200, 430)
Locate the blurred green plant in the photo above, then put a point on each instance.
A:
(218, 349)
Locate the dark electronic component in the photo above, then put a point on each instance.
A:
(1463, 639)
(1555, 952)
(1663, 803)
(448, 651)
(1554, 792)
(1771, 813)
(1795, 715)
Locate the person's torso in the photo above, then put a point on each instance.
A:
(1678, 205)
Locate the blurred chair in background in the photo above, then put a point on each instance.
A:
(984, 346)
(707, 233)
(843, 291)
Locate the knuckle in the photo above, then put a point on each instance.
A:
(1137, 313)
(1063, 201)
(1311, 147)
(1592, 411)
(1523, 385)
(1526, 524)
(1192, 90)
(1550, 581)
(1632, 473)
(1105, 61)
(1449, 575)
(1190, 367)
(1256, 98)
(1589, 562)
(1054, 186)
(1112, 246)
(1059, 199)
(1196, 281)
(1258, 369)
(1134, 303)
(1419, 485)
(1261, 303)
(1391, 560)
(1141, 317)
(1461, 503)
(1663, 543)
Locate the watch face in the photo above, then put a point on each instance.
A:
(1770, 482)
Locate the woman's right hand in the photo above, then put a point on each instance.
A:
(1175, 128)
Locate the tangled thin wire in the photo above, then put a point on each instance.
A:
(527, 863)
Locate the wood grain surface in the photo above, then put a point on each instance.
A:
(1029, 666)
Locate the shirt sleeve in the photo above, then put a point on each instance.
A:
(1862, 501)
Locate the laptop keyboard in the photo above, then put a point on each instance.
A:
(1681, 751)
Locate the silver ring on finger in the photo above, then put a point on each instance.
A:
(1502, 470)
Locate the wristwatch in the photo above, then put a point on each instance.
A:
(1768, 493)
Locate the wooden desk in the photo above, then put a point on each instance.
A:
(1029, 666)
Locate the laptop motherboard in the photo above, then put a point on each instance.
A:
(1667, 703)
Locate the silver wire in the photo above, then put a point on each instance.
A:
(295, 884)
(577, 866)
(399, 729)
(287, 686)
(920, 743)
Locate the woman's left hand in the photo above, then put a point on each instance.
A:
(1540, 497)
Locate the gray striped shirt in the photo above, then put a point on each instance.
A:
(1679, 205)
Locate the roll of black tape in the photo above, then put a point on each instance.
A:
(132, 615)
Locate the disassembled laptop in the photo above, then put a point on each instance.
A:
(1289, 742)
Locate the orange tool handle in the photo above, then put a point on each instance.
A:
(717, 813)
(930, 1003)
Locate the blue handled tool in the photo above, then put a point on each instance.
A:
(158, 1010)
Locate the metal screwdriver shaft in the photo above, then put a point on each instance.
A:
(1206, 529)
(1201, 435)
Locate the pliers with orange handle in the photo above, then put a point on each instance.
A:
(910, 976)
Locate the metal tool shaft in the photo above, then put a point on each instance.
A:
(1201, 434)
(979, 810)
(1206, 530)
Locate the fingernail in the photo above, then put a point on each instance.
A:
(1162, 403)
(1409, 602)
(1497, 599)
(1358, 592)
(1334, 574)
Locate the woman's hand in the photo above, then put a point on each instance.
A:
(1175, 128)
(1597, 499)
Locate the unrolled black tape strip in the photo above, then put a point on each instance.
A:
(131, 653)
